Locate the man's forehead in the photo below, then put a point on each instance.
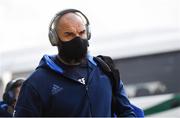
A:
(70, 18)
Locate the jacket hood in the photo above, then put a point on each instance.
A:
(47, 62)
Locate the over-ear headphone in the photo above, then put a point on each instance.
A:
(9, 95)
(53, 37)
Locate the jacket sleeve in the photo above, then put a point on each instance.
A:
(28, 103)
(123, 106)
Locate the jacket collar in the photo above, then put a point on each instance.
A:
(68, 74)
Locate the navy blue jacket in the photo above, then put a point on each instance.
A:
(54, 89)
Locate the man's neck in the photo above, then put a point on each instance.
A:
(72, 63)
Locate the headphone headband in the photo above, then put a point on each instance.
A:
(61, 13)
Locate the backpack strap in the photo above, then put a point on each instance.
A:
(107, 66)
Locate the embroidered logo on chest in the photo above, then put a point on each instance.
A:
(82, 80)
(56, 89)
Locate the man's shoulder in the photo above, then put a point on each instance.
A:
(40, 76)
(40, 72)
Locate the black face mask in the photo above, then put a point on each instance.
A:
(73, 50)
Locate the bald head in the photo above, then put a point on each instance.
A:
(71, 25)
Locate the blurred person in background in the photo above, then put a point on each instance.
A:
(10, 97)
(70, 83)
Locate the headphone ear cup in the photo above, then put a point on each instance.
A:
(88, 32)
(53, 37)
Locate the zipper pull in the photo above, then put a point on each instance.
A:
(86, 87)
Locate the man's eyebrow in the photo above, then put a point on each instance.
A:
(68, 33)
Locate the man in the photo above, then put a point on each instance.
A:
(10, 97)
(70, 83)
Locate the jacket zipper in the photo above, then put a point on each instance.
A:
(86, 87)
(90, 109)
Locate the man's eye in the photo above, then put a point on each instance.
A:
(82, 32)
